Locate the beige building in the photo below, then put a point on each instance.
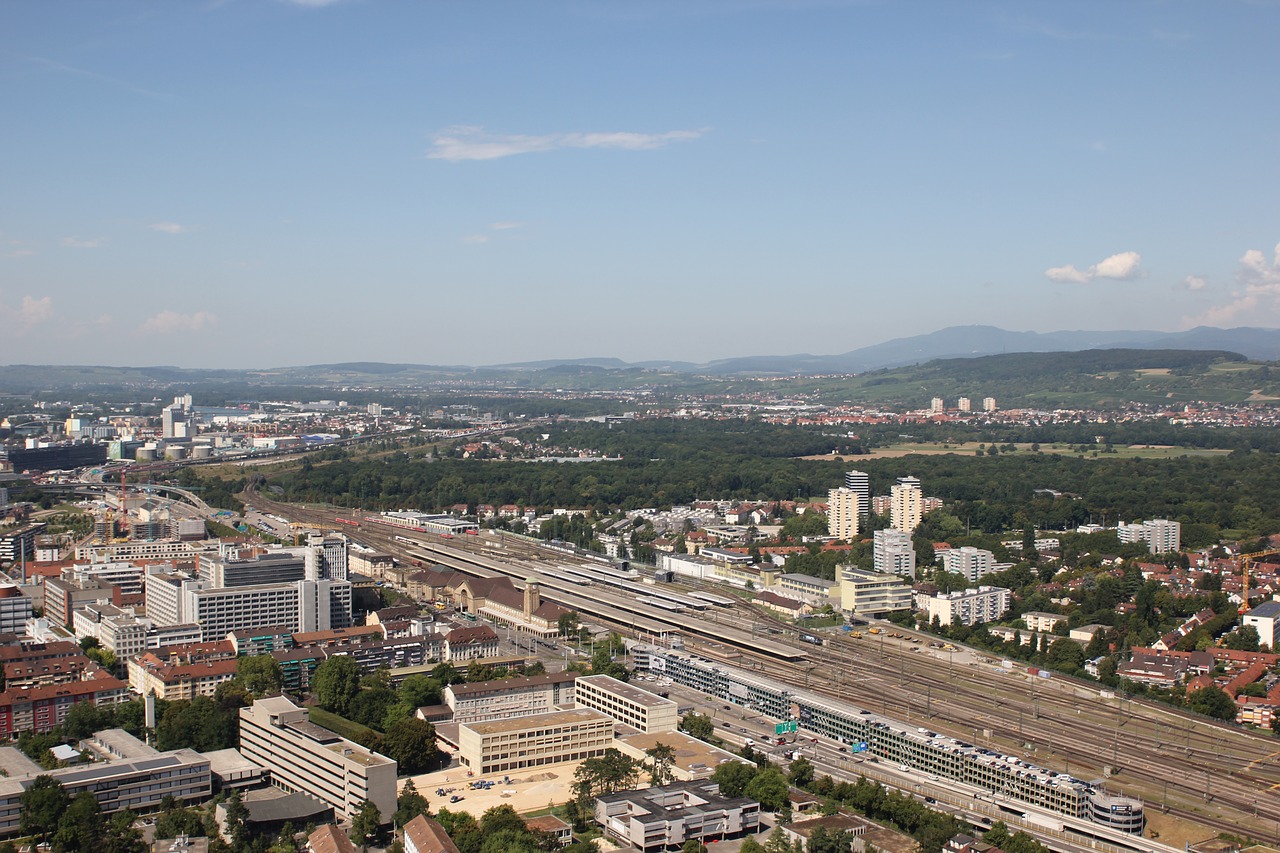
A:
(500, 746)
(871, 593)
(843, 513)
(510, 697)
(629, 705)
(906, 508)
(149, 674)
(302, 756)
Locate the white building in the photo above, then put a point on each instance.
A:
(964, 404)
(870, 593)
(1160, 535)
(15, 609)
(627, 704)
(984, 604)
(937, 405)
(968, 562)
(844, 509)
(275, 734)
(906, 505)
(893, 553)
(988, 404)
(860, 482)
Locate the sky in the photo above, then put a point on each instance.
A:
(264, 183)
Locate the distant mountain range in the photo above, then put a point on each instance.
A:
(952, 342)
(955, 342)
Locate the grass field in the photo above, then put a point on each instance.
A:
(341, 725)
(970, 448)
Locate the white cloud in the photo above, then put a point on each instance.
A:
(90, 243)
(1195, 282)
(169, 322)
(26, 315)
(506, 226)
(460, 143)
(477, 239)
(1124, 266)
(1259, 291)
(170, 228)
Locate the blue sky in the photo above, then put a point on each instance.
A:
(256, 183)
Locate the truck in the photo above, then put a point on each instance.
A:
(873, 630)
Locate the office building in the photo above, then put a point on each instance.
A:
(15, 609)
(844, 511)
(968, 562)
(893, 553)
(984, 604)
(907, 505)
(309, 759)
(503, 746)
(304, 605)
(872, 594)
(128, 775)
(510, 697)
(627, 704)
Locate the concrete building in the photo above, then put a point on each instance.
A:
(807, 588)
(304, 605)
(309, 759)
(627, 704)
(872, 594)
(844, 513)
(463, 644)
(968, 562)
(129, 775)
(984, 604)
(40, 709)
(907, 507)
(1263, 618)
(15, 609)
(860, 482)
(172, 682)
(964, 404)
(510, 697)
(1160, 535)
(502, 746)
(1042, 622)
(937, 405)
(988, 404)
(893, 553)
(660, 819)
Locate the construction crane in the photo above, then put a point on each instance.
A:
(1246, 561)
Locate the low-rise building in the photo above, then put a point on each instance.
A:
(659, 819)
(1042, 622)
(868, 593)
(40, 709)
(984, 604)
(463, 644)
(173, 682)
(510, 697)
(627, 704)
(424, 835)
(501, 746)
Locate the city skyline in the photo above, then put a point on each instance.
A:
(287, 182)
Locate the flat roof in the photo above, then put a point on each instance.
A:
(533, 721)
(627, 691)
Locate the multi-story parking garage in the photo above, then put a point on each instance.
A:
(896, 742)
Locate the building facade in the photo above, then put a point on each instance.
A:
(893, 553)
(627, 704)
(907, 505)
(502, 746)
(844, 513)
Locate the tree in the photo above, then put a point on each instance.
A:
(501, 818)
(697, 725)
(122, 836)
(235, 819)
(732, 777)
(199, 724)
(409, 804)
(81, 826)
(568, 623)
(605, 774)
(366, 826)
(770, 788)
(411, 743)
(336, 683)
(260, 674)
(1212, 702)
(85, 718)
(661, 759)
(419, 690)
(693, 845)
(43, 803)
(802, 772)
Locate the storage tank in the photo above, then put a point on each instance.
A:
(174, 451)
(202, 451)
(146, 454)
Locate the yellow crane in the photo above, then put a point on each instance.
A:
(1246, 561)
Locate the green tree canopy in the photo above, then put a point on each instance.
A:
(336, 683)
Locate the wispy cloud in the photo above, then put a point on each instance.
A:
(506, 226)
(475, 143)
(170, 322)
(171, 228)
(1259, 290)
(79, 243)
(27, 314)
(481, 238)
(1124, 266)
(64, 68)
(1195, 282)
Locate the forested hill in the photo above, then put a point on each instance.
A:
(1089, 378)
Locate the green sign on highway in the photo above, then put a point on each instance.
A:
(785, 728)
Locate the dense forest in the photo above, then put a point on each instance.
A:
(677, 462)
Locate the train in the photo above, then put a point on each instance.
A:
(348, 521)
(813, 639)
